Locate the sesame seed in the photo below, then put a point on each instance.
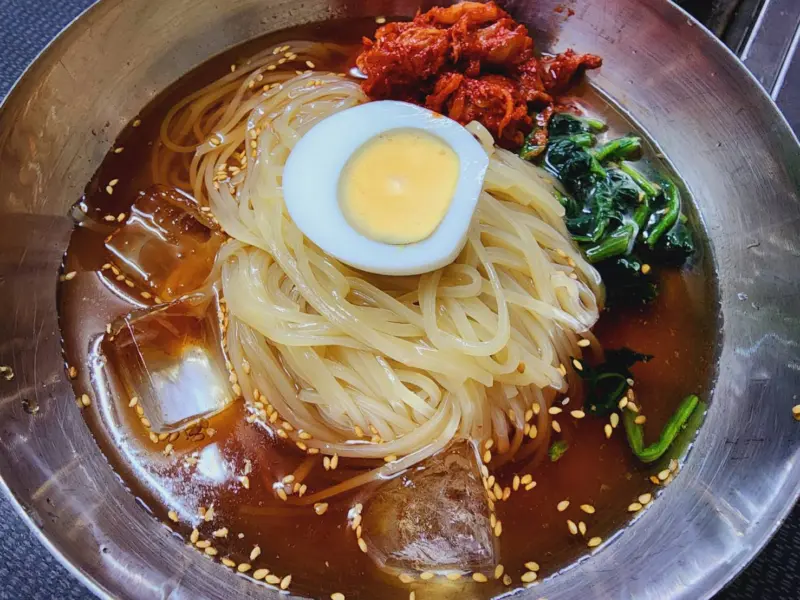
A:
(334, 461)
(113, 182)
(563, 505)
(634, 507)
(532, 566)
(655, 479)
(173, 516)
(645, 269)
(109, 190)
(255, 552)
(70, 275)
(479, 577)
(623, 403)
(243, 568)
(286, 581)
(310, 64)
(533, 432)
(536, 409)
(608, 430)
(515, 483)
(578, 414)
(614, 419)
(488, 444)
(453, 576)
(556, 426)
(211, 551)
(530, 486)
(282, 494)
(221, 533)
(405, 578)
(555, 410)
(85, 400)
(595, 541)
(498, 529)
(320, 508)
(796, 411)
(153, 437)
(498, 571)
(228, 562)
(487, 456)
(526, 479)
(412, 595)
(194, 536)
(203, 544)
(73, 372)
(588, 509)
(663, 474)
(133, 402)
(426, 575)
(137, 122)
(337, 596)
(562, 369)
(640, 420)
(362, 545)
(118, 150)
(529, 577)
(645, 498)
(380, 20)
(584, 343)
(273, 579)
(573, 528)
(506, 579)
(582, 527)
(260, 574)
(390, 458)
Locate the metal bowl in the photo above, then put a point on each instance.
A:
(713, 122)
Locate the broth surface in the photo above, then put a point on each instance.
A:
(225, 467)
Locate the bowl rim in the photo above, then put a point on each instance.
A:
(734, 567)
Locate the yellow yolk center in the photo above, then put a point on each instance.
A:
(398, 186)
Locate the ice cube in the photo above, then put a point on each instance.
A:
(435, 517)
(166, 246)
(171, 359)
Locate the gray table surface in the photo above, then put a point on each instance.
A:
(29, 572)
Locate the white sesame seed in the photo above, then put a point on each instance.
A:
(173, 516)
(362, 545)
(555, 410)
(588, 509)
(582, 527)
(645, 498)
(584, 343)
(260, 574)
(320, 508)
(498, 571)
(614, 419)
(578, 414)
(479, 577)
(528, 577)
(337, 596)
(608, 430)
(255, 552)
(573, 528)
(243, 568)
(426, 575)
(595, 541)
(563, 505)
(380, 20)
(286, 581)
(663, 474)
(634, 507)
(556, 426)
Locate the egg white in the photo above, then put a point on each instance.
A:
(311, 185)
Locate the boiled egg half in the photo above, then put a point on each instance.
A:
(386, 187)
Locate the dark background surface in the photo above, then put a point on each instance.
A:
(28, 571)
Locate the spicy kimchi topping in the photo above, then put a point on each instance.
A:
(471, 62)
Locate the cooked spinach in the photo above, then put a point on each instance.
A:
(620, 218)
(607, 383)
(656, 450)
(557, 450)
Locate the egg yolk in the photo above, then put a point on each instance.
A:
(398, 186)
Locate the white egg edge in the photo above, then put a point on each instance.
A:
(316, 163)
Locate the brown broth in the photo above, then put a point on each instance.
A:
(678, 329)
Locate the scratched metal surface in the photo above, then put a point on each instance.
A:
(743, 474)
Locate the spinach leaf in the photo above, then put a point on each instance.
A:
(607, 383)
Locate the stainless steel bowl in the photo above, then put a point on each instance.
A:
(721, 132)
